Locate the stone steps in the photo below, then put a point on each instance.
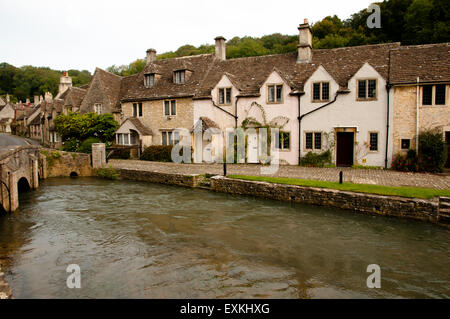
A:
(444, 209)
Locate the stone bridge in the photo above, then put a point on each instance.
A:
(19, 171)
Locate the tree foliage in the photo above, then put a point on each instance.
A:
(78, 130)
(27, 81)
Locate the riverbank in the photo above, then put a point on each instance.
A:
(5, 289)
(433, 210)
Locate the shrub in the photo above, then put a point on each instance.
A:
(157, 153)
(108, 173)
(86, 145)
(432, 152)
(71, 145)
(316, 160)
(406, 162)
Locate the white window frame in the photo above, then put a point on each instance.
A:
(98, 108)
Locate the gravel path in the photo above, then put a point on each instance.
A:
(360, 176)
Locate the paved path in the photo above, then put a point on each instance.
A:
(13, 140)
(360, 176)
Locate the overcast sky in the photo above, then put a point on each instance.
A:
(84, 34)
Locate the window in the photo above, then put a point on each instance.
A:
(170, 108)
(373, 141)
(225, 96)
(321, 91)
(440, 94)
(284, 141)
(275, 93)
(367, 89)
(427, 95)
(137, 109)
(179, 77)
(149, 80)
(98, 108)
(170, 138)
(313, 141)
(406, 144)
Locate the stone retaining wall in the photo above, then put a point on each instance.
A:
(56, 163)
(161, 178)
(419, 209)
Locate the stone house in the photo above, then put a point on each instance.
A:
(7, 115)
(420, 76)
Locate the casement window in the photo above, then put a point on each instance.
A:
(313, 141)
(179, 77)
(149, 80)
(98, 108)
(126, 139)
(321, 91)
(137, 109)
(224, 96)
(367, 89)
(373, 141)
(284, 141)
(406, 144)
(275, 93)
(170, 137)
(170, 108)
(434, 94)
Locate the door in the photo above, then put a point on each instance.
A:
(252, 148)
(447, 142)
(345, 148)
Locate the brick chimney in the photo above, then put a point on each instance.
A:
(151, 56)
(221, 49)
(304, 43)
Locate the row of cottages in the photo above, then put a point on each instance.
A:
(347, 100)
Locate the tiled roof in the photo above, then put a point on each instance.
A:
(2, 102)
(431, 63)
(111, 85)
(142, 129)
(203, 124)
(36, 121)
(73, 96)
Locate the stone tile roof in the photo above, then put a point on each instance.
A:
(36, 121)
(111, 85)
(2, 102)
(73, 96)
(249, 74)
(141, 128)
(203, 124)
(431, 63)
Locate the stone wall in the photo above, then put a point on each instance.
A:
(161, 178)
(425, 210)
(62, 164)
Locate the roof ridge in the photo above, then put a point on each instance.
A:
(97, 68)
(428, 45)
(361, 46)
(186, 56)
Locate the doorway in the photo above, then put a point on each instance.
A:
(345, 149)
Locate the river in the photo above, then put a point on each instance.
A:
(140, 240)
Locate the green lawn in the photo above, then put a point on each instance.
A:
(414, 192)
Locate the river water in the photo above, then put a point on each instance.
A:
(139, 240)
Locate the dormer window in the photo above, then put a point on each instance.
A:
(149, 80)
(275, 93)
(321, 91)
(224, 96)
(367, 90)
(179, 76)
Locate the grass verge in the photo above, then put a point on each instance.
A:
(412, 192)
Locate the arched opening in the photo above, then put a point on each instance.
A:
(23, 185)
(74, 174)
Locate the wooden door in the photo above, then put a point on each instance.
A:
(345, 149)
(252, 148)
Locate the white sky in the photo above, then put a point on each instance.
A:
(83, 34)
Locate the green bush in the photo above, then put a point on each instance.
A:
(157, 153)
(432, 151)
(108, 173)
(86, 145)
(316, 160)
(71, 145)
(406, 162)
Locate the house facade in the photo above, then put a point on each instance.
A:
(420, 76)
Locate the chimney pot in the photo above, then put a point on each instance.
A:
(221, 50)
(151, 56)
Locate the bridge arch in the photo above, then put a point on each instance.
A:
(23, 185)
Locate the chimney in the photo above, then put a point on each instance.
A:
(7, 98)
(65, 82)
(151, 56)
(48, 97)
(304, 43)
(36, 99)
(221, 50)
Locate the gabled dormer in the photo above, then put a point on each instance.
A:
(181, 76)
(150, 79)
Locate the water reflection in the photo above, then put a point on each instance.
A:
(138, 240)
